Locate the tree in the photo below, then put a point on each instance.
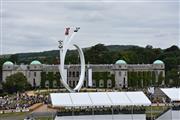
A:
(97, 54)
(172, 78)
(14, 58)
(149, 47)
(16, 83)
(172, 49)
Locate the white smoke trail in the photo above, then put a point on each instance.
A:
(67, 45)
(63, 51)
(65, 48)
(61, 66)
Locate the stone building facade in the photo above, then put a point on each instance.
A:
(97, 75)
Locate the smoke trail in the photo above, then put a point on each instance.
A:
(63, 52)
(66, 46)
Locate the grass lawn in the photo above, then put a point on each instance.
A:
(156, 110)
(14, 114)
(44, 118)
(20, 116)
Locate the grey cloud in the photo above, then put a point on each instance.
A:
(38, 27)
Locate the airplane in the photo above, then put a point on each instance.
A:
(77, 28)
(67, 31)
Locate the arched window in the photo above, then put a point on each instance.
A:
(94, 83)
(73, 74)
(77, 74)
(124, 82)
(101, 83)
(55, 83)
(84, 83)
(109, 83)
(70, 74)
(34, 82)
(47, 83)
(34, 74)
(120, 73)
(74, 83)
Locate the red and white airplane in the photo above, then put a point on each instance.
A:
(67, 31)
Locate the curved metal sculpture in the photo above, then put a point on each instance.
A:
(63, 47)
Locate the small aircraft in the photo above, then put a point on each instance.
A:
(67, 31)
(77, 28)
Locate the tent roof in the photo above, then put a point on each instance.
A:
(119, 98)
(172, 93)
(138, 98)
(99, 99)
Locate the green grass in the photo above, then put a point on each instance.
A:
(44, 118)
(156, 110)
(21, 116)
(13, 114)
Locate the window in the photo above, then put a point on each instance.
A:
(74, 84)
(54, 83)
(124, 82)
(34, 74)
(77, 74)
(69, 74)
(101, 83)
(34, 83)
(119, 73)
(84, 83)
(73, 74)
(85, 74)
(47, 83)
(109, 83)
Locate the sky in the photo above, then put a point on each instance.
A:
(29, 26)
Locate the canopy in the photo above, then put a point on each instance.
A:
(99, 99)
(172, 93)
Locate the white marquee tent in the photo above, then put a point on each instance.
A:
(170, 115)
(99, 99)
(172, 93)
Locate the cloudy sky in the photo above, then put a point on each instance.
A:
(37, 26)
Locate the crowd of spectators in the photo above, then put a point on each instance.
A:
(21, 101)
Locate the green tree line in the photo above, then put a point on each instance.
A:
(101, 54)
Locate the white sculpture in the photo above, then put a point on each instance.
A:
(63, 46)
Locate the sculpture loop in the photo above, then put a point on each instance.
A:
(64, 45)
